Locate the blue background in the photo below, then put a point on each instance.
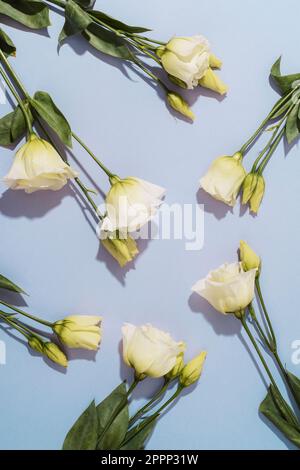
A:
(49, 248)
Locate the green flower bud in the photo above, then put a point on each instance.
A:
(258, 194)
(249, 186)
(36, 344)
(55, 354)
(192, 370)
(180, 105)
(250, 260)
(123, 250)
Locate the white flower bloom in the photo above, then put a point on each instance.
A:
(150, 351)
(228, 289)
(38, 166)
(79, 331)
(186, 58)
(130, 204)
(224, 178)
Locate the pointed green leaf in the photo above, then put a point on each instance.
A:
(48, 111)
(9, 285)
(6, 44)
(295, 386)
(116, 24)
(76, 16)
(111, 435)
(31, 13)
(270, 409)
(18, 124)
(285, 83)
(5, 129)
(107, 42)
(137, 437)
(83, 434)
(291, 127)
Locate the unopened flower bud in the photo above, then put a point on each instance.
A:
(258, 194)
(36, 344)
(250, 260)
(180, 105)
(192, 370)
(55, 354)
(249, 186)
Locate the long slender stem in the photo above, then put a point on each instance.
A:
(11, 323)
(259, 328)
(267, 158)
(24, 327)
(252, 339)
(275, 109)
(17, 98)
(150, 402)
(88, 150)
(155, 415)
(265, 312)
(28, 315)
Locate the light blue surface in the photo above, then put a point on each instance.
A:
(48, 247)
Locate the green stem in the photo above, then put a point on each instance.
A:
(265, 312)
(150, 402)
(277, 106)
(155, 415)
(86, 148)
(11, 323)
(273, 147)
(17, 98)
(28, 315)
(151, 74)
(259, 328)
(143, 38)
(24, 327)
(252, 339)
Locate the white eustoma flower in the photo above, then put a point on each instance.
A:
(228, 289)
(150, 351)
(38, 166)
(224, 178)
(79, 331)
(186, 58)
(130, 204)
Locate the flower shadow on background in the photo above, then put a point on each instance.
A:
(223, 325)
(212, 206)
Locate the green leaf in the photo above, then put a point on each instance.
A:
(137, 437)
(116, 24)
(5, 129)
(111, 435)
(269, 408)
(84, 433)
(294, 383)
(291, 127)
(6, 44)
(76, 16)
(31, 13)
(9, 285)
(18, 124)
(107, 42)
(48, 111)
(285, 83)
